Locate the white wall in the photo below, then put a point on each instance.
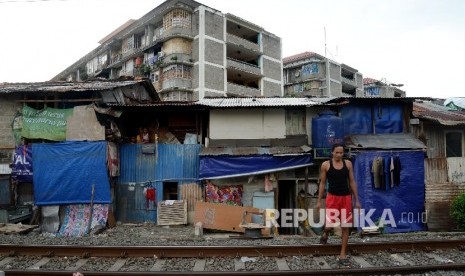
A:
(247, 124)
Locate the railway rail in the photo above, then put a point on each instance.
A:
(277, 259)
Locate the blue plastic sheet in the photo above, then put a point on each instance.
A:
(65, 173)
(405, 201)
(388, 118)
(214, 167)
(358, 119)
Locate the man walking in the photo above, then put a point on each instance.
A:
(341, 187)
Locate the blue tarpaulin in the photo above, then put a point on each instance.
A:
(226, 166)
(65, 173)
(404, 201)
(358, 119)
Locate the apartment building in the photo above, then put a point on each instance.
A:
(377, 88)
(189, 51)
(311, 74)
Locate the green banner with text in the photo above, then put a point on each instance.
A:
(48, 123)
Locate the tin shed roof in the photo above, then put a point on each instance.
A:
(95, 85)
(256, 102)
(384, 141)
(438, 113)
(242, 151)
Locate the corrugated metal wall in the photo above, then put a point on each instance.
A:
(169, 163)
(178, 163)
(444, 179)
(442, 186)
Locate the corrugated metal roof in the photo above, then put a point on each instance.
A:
(241, 151)
(154, 104)
(456, 102)
(256, 102)
(66, 86)
(301, 56)
(438, 113)
(384, 141)
(369, 80)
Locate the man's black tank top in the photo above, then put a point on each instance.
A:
(338, 180)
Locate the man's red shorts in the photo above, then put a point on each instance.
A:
(339, 210)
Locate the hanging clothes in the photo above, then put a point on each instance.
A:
(268, 183)
(396, 171)
(377, 171)
(387, 173)
(391, 170)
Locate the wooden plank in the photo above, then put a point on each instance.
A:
(9, 228)
(172, 214)
(221, 216)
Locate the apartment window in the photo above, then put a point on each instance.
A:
(177, 18)
(454, 143)
(180, 71)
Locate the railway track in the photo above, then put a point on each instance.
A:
(366, 259)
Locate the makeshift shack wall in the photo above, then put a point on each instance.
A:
(70, 173)
(405, 201)
(144, 169)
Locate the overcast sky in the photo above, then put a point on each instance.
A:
(418, 43)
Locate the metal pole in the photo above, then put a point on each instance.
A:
(89, 226)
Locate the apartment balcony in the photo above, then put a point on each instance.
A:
(131, 52)
(177, 58)
(177, 32)
(348, 82)
(176, 83)
(239, 41)
(240, 90)
(243, 66)
(176, 95)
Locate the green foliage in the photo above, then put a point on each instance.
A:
(457, 210)
(158, 63)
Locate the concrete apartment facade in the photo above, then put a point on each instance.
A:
(189, 51)
(311, 74)
(376, 88)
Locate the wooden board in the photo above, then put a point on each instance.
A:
(9, 228)
(174, 213)
(221, 216)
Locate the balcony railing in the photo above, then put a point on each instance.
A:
(240, 90)
(243, 66)
(230, 38)
(349, 81)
